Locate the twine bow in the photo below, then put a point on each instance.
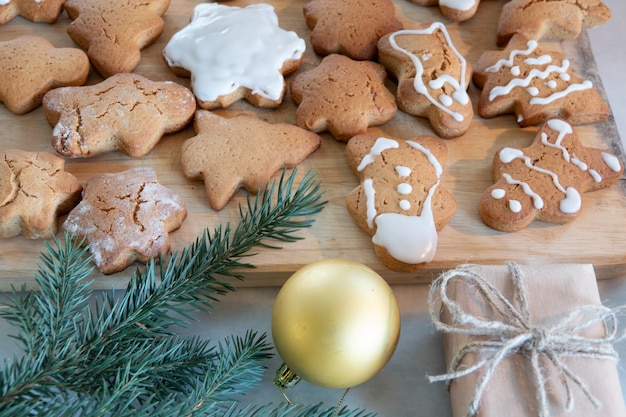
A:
(515, 333)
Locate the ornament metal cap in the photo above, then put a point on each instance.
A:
(285, 378)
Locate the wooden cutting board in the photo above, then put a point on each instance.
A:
(596, 237)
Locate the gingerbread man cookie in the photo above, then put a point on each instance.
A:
(47, 11)
(455, 10)
(241, 151)
(35, 190)
(126, 112)
(400, 201)
(115, 31)
(30, 66)
(432, 77)
(546, 180)
(233, 53)
(126, 217)
(535, 85)
(556, 19)
(342, 96)
(349, 27)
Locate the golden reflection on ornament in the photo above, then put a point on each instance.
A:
(335, 324)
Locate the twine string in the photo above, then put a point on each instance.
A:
(511, 331)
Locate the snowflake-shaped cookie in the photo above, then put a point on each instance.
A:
(342, 96)
(34, 66)
(46, 11)
(432, 77)
(400, 201)
(125, 112)
(349, 27)
(126, 217)
(555, 19)
(232, 53)
(535, 85)
(546, 180)
(241, 151)
(115, 31)
(34, 191)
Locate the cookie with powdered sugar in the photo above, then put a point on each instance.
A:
(35, 190)
(126, 217)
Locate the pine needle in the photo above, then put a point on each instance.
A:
(120, 355)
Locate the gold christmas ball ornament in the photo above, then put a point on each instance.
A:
(335, 324)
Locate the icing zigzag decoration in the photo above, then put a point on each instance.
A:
(432, 77)
(535, 85)
(546, 180)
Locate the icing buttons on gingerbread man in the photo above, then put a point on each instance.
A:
(400, 201)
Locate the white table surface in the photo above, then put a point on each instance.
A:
(401, 389)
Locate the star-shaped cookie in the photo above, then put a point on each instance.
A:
(30, 66)
(535, 85)
(241, 151)
(555, 19)
(342, 96)
(126, 217)
(35, 190)
(125, 112)
(233, 53)
(349, 27)
(115, 31)
(47, 11)
(546, 180)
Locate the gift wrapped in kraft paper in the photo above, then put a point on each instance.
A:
(527, 341)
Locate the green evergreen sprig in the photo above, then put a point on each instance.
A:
(119, 354)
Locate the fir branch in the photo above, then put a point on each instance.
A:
(121, 355)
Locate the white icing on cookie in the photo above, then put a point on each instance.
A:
(227, 47)
(572, 201)
(442, 101)
(409, 239)
(536, 73)
(532, 45)
(462, 5)
(611, 161)
(381, 145)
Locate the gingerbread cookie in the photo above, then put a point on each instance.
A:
(432, 77)
(47, 11)
(233, 53)
(30, 66)
(546, 180)
(115, 31)
(342, 96)
(241, 151)
(125, 112)
(349, 27)
(34, 191)
(535, 85)
(556, 19)
(126, 217)
(400, 201)
(456, 10)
